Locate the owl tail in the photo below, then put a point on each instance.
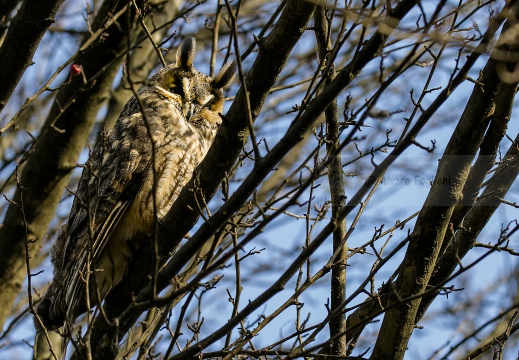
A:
(49, 344)
(51, 320)
(49, 314)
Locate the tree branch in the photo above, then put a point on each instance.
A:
(23, 37)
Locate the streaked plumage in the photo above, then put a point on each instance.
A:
(115, 192)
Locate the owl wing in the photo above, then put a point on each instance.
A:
(111, 179)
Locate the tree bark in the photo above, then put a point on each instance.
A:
(23, 37)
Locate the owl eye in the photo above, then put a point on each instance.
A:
(177, 88)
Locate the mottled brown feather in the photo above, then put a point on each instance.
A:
(113, 206)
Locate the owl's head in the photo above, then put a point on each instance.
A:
(198, 95)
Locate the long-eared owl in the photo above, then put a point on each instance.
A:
(140, 165)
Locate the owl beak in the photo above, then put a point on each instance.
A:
(190, 109)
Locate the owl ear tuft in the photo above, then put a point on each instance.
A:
(186, 53)
(225, 75)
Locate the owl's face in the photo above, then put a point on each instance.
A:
(194, 91)
(199, 96)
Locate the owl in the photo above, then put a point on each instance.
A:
(132, 178)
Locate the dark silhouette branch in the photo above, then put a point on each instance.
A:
(23, 37)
